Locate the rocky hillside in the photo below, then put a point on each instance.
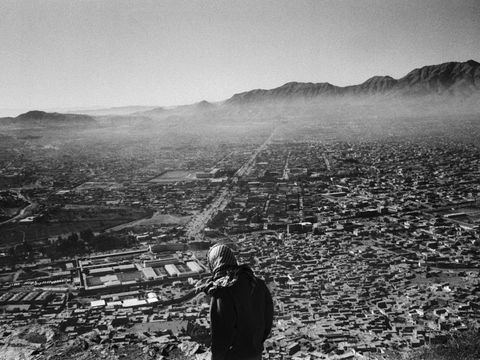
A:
(44, 119)
(452, 78)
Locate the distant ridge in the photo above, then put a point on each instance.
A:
(451, 78)
(45, 119)
(202, 106)
(117, 110)
(457, 80)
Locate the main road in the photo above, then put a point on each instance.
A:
(194, 229)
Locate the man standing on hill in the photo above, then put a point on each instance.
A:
(241, 308)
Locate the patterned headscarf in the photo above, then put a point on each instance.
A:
(225, 270)
(220, 257)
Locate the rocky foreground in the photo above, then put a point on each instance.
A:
(43, 342)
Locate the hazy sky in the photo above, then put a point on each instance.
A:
(72, 53)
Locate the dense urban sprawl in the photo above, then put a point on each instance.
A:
(365, 245)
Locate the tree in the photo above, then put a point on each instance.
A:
(87, 235)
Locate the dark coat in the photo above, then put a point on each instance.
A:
(241, 318)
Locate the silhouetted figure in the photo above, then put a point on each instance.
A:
(241, 308)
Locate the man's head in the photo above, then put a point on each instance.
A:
(220, 255)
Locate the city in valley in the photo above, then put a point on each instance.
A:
(365, 231)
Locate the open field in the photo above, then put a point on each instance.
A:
(175, 175)
(156, 219)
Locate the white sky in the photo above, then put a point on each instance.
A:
(72, 53)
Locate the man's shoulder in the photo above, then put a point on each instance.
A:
(262, 284)
(259, 281)
(253, 282)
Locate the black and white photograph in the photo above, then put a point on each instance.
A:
(239, 179)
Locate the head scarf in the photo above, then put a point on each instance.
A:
(220, 257)
(225, 270)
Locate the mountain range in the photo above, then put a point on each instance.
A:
(38, 118)
(451, 78)
(456, 83)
